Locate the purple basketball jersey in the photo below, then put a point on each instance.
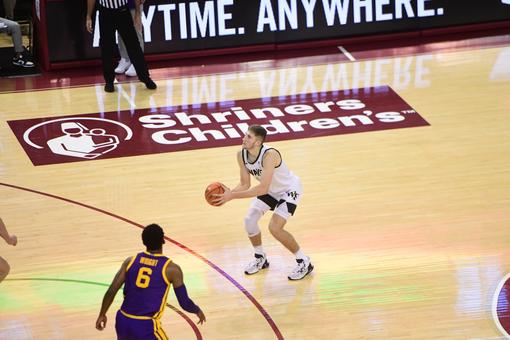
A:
(146, 286)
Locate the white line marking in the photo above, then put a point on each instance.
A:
(126, 96)
(347, 54)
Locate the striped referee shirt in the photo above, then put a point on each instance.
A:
(113, 4)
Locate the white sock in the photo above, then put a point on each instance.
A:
(259, 250)
(300, 255)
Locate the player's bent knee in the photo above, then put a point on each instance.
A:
(252, 227)
(251, 221)
(275, 229)
(276, 224)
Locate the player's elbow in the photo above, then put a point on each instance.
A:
(244, 185)
(111, 292)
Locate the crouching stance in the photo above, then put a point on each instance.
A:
(279, 190)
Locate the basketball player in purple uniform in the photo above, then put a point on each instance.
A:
(10, 239)
(146, 277)
(279, 190)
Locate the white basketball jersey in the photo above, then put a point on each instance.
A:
(283, 178)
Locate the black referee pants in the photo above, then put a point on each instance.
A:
(111, 20)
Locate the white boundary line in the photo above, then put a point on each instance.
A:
(495, 306)
(347, 54)
(126, 95)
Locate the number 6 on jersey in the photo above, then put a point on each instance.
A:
(144, 277)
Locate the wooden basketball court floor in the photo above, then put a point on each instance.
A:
(408, 228)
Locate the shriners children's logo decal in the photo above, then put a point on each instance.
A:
(124, 133)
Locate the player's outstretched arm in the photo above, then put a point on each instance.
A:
(109, 296)
(176, 278)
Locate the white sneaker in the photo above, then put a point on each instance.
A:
(303, 268)
(131, 72)
(123, 66)
(260, 262)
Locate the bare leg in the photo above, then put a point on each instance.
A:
(260, 261)
(4, 269)
(276, 225)
(256, 240)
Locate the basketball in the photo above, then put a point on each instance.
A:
(212, 189)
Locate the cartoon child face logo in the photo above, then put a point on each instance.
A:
(78, 140)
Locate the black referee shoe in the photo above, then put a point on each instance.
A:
(109, 87)
(150, 84)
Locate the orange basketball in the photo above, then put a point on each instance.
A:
(212, 189)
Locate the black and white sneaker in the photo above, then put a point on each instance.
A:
(303, 268)
(22, 61)
(260, 262)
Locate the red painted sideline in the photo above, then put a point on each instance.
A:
(180, 245)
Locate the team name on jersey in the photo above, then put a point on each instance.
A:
(255, 172)
(148, 262)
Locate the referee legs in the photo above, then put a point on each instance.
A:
(128, 34)
(107, 44)
(111, 20)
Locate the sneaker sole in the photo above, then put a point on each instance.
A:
(310, 269)
(24, 66)
(263, 267)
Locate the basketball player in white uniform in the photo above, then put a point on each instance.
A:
(279, 190)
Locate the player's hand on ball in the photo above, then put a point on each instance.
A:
(211, 191)
(223, 198)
